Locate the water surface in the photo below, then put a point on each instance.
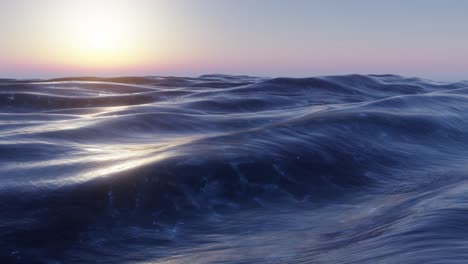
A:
(234, 169)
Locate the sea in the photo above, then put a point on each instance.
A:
(234, 169)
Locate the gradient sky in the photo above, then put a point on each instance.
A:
(53, 38)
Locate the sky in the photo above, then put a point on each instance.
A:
(296, 38)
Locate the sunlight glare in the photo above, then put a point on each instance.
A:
(99, 33)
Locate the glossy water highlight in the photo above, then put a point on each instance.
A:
(233, 169)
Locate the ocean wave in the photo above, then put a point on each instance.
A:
(80, 157)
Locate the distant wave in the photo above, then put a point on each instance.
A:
(335, 169)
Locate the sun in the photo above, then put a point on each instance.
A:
(97, 33)
(99, 36)
(101, 33)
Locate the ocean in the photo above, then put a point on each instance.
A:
(234, 169)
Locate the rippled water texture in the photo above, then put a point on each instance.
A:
(234, 169)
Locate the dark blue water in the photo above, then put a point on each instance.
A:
(234, 169)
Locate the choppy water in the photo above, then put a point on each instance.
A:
(234, 169)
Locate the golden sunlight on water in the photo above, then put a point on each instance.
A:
(108, 160)
(91, 160)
